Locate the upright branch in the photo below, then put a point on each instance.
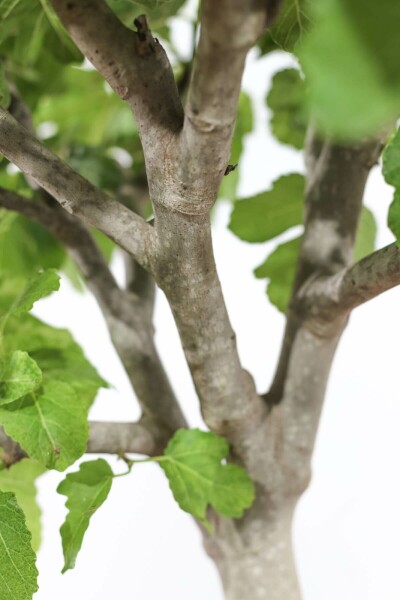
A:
(183, 264)
(228, 30)
(336, 180)
(335, 187)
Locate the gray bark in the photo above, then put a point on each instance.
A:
(256, 561)
(186, 156)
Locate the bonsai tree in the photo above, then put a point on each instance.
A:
(121, 145)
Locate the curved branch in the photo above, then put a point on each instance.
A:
(351, 287)
(75, 193)
(370, 277)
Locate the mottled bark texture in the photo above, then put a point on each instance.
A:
(186, 153)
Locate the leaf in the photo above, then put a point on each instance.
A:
(6, 7)
(57, 40)
(394, 215)
(20, 479)
(86, 491)
(192, 464)
(391, 173)
(57, 354)
(106, 245)
(266, 44)
(19, 374)
(98, 168)
(86, 116)
(18, 573)
(49, 424)
(28, 247)
(391, 161)
(279, 268)
(156, 10)
(38, 287)
(292, 23)
(20, 250)
(270, 213)
(366, 235)
(350, 60)
(5, 97)
(287, 102)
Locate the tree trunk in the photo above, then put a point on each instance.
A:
(256, 561)
(254, 556)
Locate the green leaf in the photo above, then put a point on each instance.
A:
(57, 354)
(86, 491)
(391, 161)
(350, 60)
(106, 245)
(192, 464)
(18, 571)
(391, 173)
(279, 268)
(27, 247)
(157, 11)
(49, 424)
(268, 214)
(86, 115)
(98, 168)
(366, 235)
(19, 374)
(267, 44)
(287, 101)
(20, 479)
(5, 97)
(57, 40)
(6, 8)
(394, 215)
(292, 23)
(38, 287)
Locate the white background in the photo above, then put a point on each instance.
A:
(347, 528)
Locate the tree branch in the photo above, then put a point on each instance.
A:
(77, 195)
(229, 28)
(115, 438)
(351, 287)
(334, 193)
(185, 270)
(335, 188)
(128, 315)
(133, 62)
(105, 438)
